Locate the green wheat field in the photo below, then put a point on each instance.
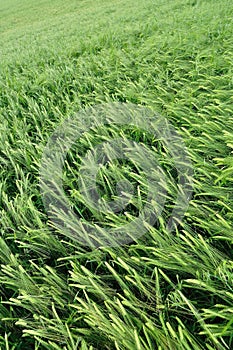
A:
(164, 290)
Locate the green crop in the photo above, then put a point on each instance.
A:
(165, 290)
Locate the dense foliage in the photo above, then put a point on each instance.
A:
(163, 291)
